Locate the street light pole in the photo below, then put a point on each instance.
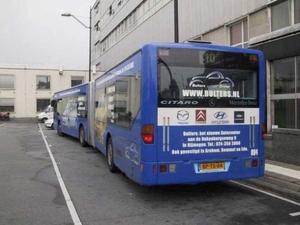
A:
(176, 30)
(90, 47)
(90, 38)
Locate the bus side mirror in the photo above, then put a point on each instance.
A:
(53, 103)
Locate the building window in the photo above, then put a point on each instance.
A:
(110, 10)
(97, 26)
(42, 82)
(7, 105)
(125, 24)
(133, 16)
(297, 11)
(76, 81)
(42, 104)
(129, 19)
(286, 92)
(284, 76)
(121, 27)
(103, 47)
(7, 81)
(283, 110)
(239, 34)
(281, 15)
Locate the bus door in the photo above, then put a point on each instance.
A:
(70, 117)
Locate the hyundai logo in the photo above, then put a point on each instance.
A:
(220, 115)
(183, 115)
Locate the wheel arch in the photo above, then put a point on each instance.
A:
(108, 136)
(85, 141)
(80, 125)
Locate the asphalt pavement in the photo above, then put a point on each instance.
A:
(280, 178)
(28, 183)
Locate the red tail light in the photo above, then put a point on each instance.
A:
(148, 133)
(263, 131)
(163, 168)
(254, 163)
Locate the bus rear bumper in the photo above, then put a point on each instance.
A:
(192, 172)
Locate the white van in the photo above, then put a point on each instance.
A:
(47, 114)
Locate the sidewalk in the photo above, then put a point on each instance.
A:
(280, 178)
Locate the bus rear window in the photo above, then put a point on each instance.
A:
(196, 77)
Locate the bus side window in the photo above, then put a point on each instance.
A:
(129, 116)
(81, 109)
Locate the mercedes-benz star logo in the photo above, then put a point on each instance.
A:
(211, 102)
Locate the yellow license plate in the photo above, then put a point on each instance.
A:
(212, 166)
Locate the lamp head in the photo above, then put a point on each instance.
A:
(66, 14)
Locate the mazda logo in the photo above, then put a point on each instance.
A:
(220, 115)
(183, 115)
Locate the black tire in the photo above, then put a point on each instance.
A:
(110, 157)
(59, 130)
(82, 141)
(43, 120)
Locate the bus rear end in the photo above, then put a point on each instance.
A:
(208, 123)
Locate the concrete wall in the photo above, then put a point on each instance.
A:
(284, 146)
(198, 17)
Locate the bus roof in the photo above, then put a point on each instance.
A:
(75, 90)
(199, 45)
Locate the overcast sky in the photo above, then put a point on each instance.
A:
(34, 32)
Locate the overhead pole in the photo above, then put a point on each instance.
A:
(176, 30)
(90, 46)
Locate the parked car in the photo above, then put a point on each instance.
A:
(46, 114)
(4, 116)
(49, 123)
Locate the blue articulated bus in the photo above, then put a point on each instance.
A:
(71, 112)
(181, 113)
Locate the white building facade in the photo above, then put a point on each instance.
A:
(25, 90)
(120, 27)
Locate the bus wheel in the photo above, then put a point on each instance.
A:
(59, 130)
(110, 157)
(82, 137)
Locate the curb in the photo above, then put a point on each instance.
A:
(276, 186)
